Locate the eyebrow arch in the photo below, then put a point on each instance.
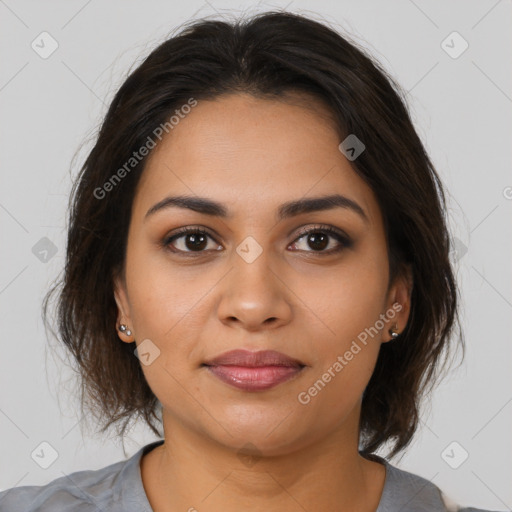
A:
(286, 210)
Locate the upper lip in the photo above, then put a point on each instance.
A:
(253, 359)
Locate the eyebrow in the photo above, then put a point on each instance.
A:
(286, 210)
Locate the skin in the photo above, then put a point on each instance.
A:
(252, 155)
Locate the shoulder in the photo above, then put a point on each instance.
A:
(83, 490)
(407, 491)
(117, 487)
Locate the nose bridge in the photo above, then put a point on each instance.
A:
(253, 292)
(254, 261)
(252, 273)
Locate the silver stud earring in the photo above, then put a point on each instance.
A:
(125, 330)
(393, 332)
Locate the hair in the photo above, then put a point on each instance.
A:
(269, 56)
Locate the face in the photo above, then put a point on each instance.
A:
(254, 279)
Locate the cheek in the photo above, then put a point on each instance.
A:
(163, 306)
(347, 342)
(348, 302)
(162, 294)
(346, 352)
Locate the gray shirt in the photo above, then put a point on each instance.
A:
(118, 488)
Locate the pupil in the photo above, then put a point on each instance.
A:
(318, 238)
(198, 241)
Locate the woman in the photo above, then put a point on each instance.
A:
(257, 257)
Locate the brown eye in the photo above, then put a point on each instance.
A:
(189, 240)
(319, 237)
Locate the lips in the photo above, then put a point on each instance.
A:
(253, 359)
(254, 371)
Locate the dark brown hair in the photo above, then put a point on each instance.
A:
(267, 56)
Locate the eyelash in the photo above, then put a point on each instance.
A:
(344, 240)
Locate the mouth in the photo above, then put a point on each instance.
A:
(254, 371)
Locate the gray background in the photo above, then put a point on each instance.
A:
(461, 108)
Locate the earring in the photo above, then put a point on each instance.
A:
(125, 330)
(394, 331)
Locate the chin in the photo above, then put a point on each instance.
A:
(263, 435)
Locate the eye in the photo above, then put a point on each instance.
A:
(191, 239)
(318, 237)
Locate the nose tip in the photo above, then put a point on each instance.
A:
(254, 297)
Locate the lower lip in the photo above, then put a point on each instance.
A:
(254, 379)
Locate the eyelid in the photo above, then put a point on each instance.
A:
(322, 227)
(185, 230)
(343, 239)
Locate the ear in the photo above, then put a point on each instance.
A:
(398, 305)
(123, 309)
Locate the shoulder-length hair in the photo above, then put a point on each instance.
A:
(267, 56)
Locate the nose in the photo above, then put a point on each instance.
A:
(254, 296)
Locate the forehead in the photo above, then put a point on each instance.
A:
(245, 151)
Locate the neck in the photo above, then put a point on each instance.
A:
(194, 473)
